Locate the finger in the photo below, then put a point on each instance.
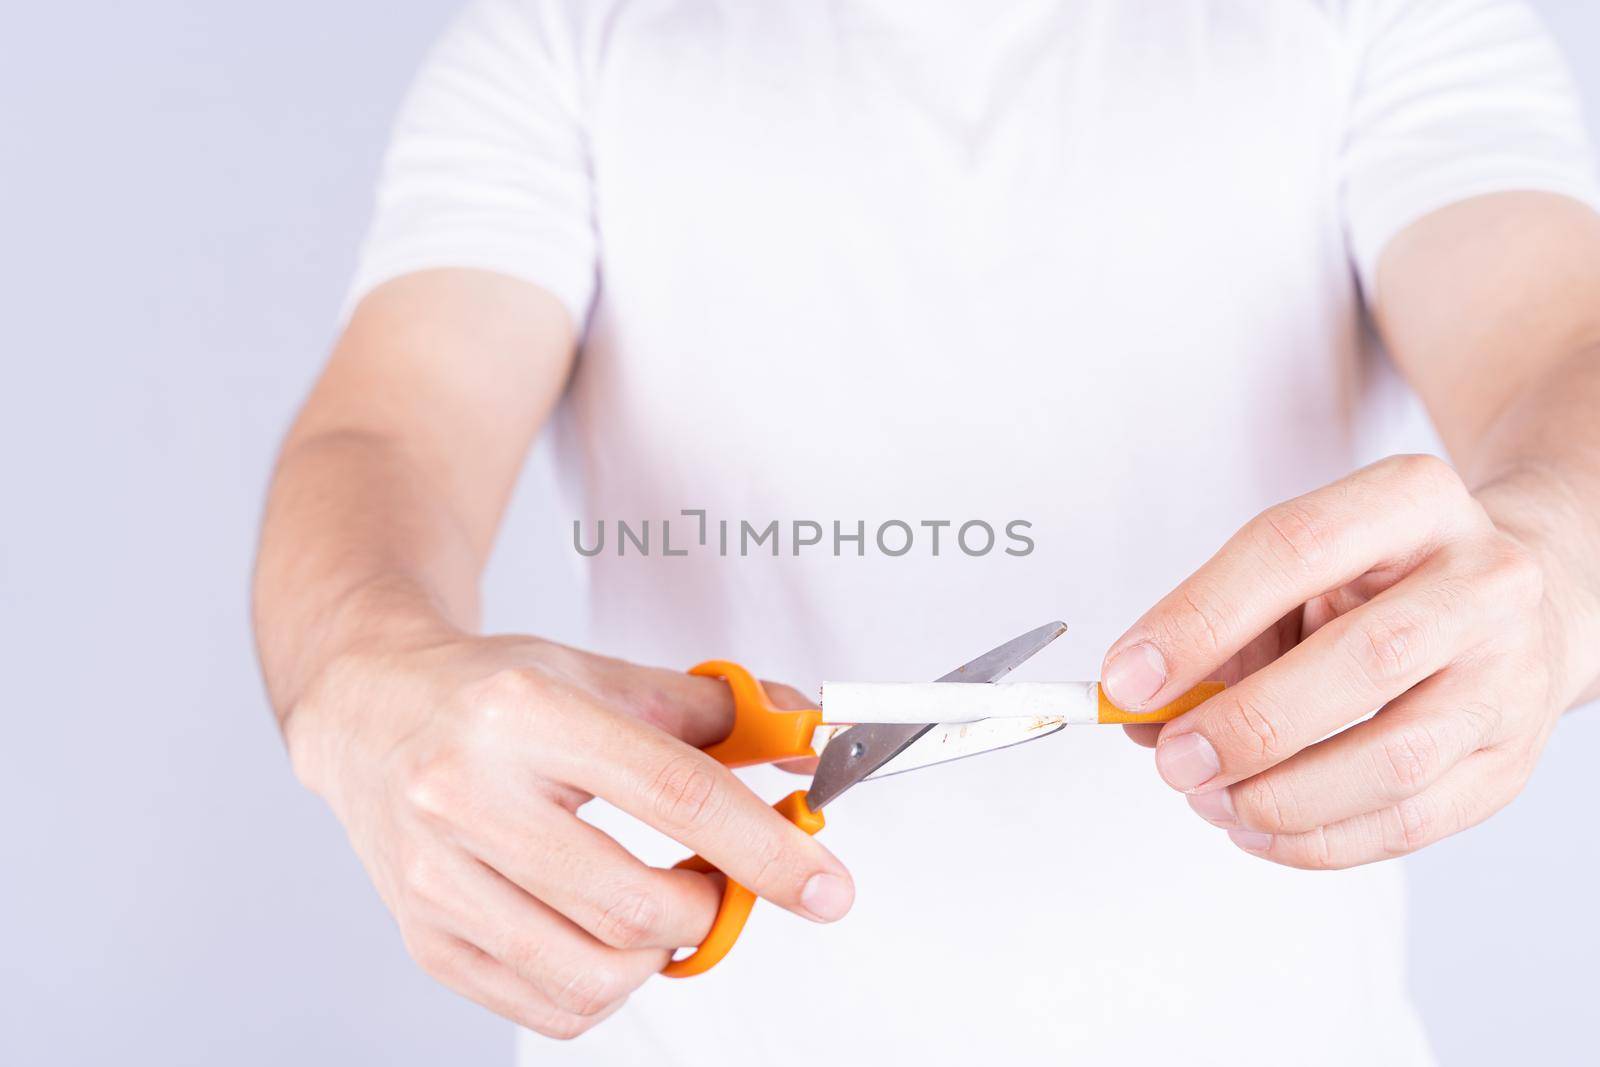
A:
(692, 708)
(692, 798)
(1397, 510)
(1476, 788)
(586, 876)
(1341, 673)
(1403, 750)
(1263, 650)
(574, 971)
(1143, 733)
(479, 978)
(566, 737)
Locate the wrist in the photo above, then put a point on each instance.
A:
(374, 618)
(1544, 512)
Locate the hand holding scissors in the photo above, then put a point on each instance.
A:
(970, 716)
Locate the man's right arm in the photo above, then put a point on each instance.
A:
(457, 761)
(390, 485)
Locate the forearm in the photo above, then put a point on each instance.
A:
(357, 548)
(1491, 307)
(392, 482)
(1536, 469)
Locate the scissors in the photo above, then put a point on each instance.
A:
(849, 754)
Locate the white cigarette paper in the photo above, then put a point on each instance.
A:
(849, 702)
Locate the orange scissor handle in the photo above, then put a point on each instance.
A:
(736, 899)
(761, 733)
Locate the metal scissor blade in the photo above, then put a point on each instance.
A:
(856, 753)
(996, 663)
(958, 740)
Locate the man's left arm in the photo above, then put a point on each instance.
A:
(1463, 603)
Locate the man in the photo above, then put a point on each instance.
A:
(1105, 268)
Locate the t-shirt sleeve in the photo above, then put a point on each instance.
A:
(1454, 99)
(487, 165)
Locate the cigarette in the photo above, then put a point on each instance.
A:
(1075, 703)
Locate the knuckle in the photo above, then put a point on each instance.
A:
(1388, 648)
(770, 865)
(1204, 623)
(586, 990)
(501, 696)
(429, 953)
(1296, 533)
(1429, 473)
(1264, 804)
(684, 794)
(424, 878)
(523, 955)
(654, 708)
(1453, 596)
(1322, 853)
(432, 786)
(1517, 572)
(1414, 823)
(1486, 719)
(1248, 728)
(1315, 851)
(631, 920)
(1409, 761)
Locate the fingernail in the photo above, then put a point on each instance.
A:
(1251, 840)
(1187, 761)
(1214, 807)
(827, 897)
(1134, 675)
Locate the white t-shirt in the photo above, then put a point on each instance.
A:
(1088, 264)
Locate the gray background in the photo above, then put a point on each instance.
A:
(183, 187)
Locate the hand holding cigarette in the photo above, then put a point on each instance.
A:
(1394, 590)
